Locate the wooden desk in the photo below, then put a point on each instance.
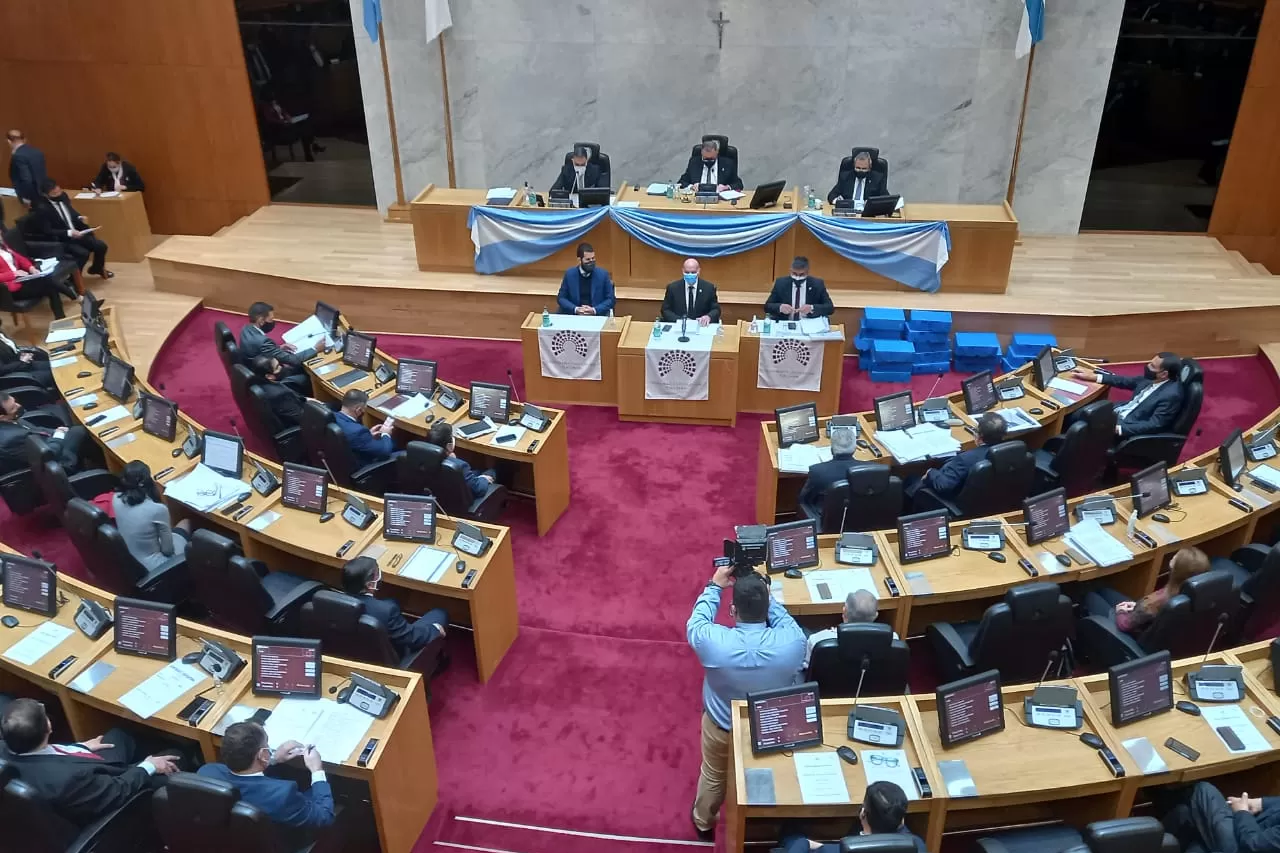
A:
(719, 409)
(798, 601)
(752, 398)
(123, 222)
(588, 392)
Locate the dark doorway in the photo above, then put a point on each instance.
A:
(302, 67)
(1176, 83)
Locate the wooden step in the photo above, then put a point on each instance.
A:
(1241, 263)
(1261, 268)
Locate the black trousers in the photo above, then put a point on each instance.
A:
(45, 287)
(1203, 821)
(81, 248)
(73, 449)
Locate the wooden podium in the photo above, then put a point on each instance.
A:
(719, 409)
(582, 392)
(752, 398)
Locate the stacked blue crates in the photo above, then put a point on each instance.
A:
(976, 352)
(1024, 347)
(930, 333)
(883, 350)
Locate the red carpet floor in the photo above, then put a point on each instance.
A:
(590, 724)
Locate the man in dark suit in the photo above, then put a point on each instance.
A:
(81, 781)
(368, 445)
(586, 288)
(947, 481)
(71, 446)
(1157, 395)
(860, 183)
(799, 295)
(61, 222)
(360, 579)
(1202, 819)
(255, 340)
(822, 475)
(26, 168)
(284, 402)
(246, 761)
(118, 175)
(708, 167)
(579, 173)
(691, 297)
(480, 482)
(29, 360)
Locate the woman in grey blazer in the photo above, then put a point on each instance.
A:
(143, 521)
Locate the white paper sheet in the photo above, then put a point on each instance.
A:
(264, 520)
(205, 489)
(1234, 717)
(730, 195)
(335, 730)
(701, 338)
(1067, 385)
(293, 719)
(307, 333)
(111, 194)
(426, 564)
(235, 714)
(328, 368)
(37, 643)
(1017, 420)
(82, 401)
(799, 458)
(127, 438)
(875, 763)
(577, 322)
(161, 689)
(8, 191)
(515, 430)
(61, 336)
(626, 203)
(840, 583)
(1266, 474)
(85, 195)
(66, 361)
(820, 777)
(114, 413)
(1089, 538)
(1145, 755)
(412, 407)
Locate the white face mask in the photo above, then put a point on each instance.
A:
(798, 278)
(580, 169)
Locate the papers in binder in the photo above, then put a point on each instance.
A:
(799, 458)
(1016, 420)
(502, 195)
(307, 333)
(925, 441)
(1098, 545)
(731, 195)
(204, 489)
(38, 643)
(60, 336)
(163, 688)
(1266, 474)
(1060, 384)
(426, 564)
(412, 407)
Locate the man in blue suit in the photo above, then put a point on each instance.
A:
(360, 578)
(245, 759)
(26, 167)
(586, 289)
(369, 445)
(947, 481)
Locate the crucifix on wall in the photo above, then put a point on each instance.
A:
(720, 20)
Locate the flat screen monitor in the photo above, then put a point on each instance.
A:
(923, 536)
(1140, 688)
(89, 309)
(159, 417)
(409, 518)
(284, 666)
(895, 411)
(358, 350)
(970, 708)
(594, 196)
(415, 376)
(95, 343)
(1046, 516)
(797, 424)
(793, 545)
(767, 195)
(305, 488)
(29, 584)
(327, 315)
(146, 628)
(117, 379)
(223, 453)
(1043, 369)
(1231, 458)
(979, 393)
(785, 718)
(490, 400)
(1150, 489)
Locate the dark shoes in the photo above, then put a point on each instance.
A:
(703, 834)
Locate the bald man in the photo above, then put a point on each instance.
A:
(691, 297)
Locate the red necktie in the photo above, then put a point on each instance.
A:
(86, 754)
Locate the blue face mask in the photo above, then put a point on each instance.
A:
(691, 278)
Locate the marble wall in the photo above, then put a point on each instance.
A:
(933, 83)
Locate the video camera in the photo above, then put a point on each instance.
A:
(748, 550)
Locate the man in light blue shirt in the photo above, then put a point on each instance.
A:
(763, 650)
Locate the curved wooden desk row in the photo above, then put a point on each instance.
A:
(401, 774)
(297, 541)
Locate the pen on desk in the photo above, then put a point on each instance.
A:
(164, 473)
(106, 432)
(73, 391)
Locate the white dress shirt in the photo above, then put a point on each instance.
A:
(799, 293)
(1122, 412)
(711, 174)
(65, 213)
(117, 175)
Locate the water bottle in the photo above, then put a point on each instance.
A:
(546, 318)
(768, 324)
(808, 197)
(610, 318)
(671, 189)
(657, 328)
(754, 328)
(529, 196)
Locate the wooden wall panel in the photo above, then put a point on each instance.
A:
(1246, 215)
(161, 81)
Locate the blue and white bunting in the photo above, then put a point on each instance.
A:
(702, 236)
(911, 253)
(506, 238)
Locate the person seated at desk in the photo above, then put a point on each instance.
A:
(360, 579)
(691, 297)
(246, 759)
(799, 295)
(1157, 396)
(118, 175)
(84, 781)
(884, 810)
(586, 288)
(1132, 617)
(578, 174)
(26, 168)
(947, 481)
(255, 340)
(843, 445)
(711, 168)
(143, 520)
(71, 446)
(283, 128)
(23, 280)
(59, 221)
(1206, 820)
(30, 360)
(368, 444)
(284, 402)
(441, 435)
(860, 608)
(860, 183)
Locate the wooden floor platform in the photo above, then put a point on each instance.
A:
(1116, 295)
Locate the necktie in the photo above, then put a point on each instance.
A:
(795, 298)
(690, 295)
(62, 208)
(860, 189)
(706, 174)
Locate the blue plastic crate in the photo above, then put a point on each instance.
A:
(1011, 362)
(1027, 340)
(975, 364)
(931, 355)
(883, 318)
(919, 337)
(930, 321)
(890, 375)
(1025, 353)
(892, 351)
(984, 344)
(882, 334)
(931, 367)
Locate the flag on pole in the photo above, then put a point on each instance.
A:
(372, 18)
(438, 18)
(1031, 30)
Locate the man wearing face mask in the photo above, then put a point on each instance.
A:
(1157, 395)
(255, 341)
(708, 167)
(69, 445)
(284, 402)
(578, 174)
(799, 295)
(586, 288)
(61, 222)
(691, 297)
(859, 184)
(118, 175)
(360, 579)
(247, 762)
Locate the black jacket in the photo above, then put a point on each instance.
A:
(815, 294)
(590, 178)
(49, 224)
(726, 172)
(128, 174)
(13, 444)
(284, 402)
(1153, 415)
(81, 789)
(405, 636)
(947, 481)
(27, 172)
(821, 476)
(704, 302)
(844, 188)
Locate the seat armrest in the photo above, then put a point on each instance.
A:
(489, 506)
(18, 380)
(167, 582)
(289, 444)
(291, 601)
(44, 420)
(1104, 644)
(926, 499)
(125, 829)
(1250, 557)
(1140, 450)
(376, 477)
(991, 845)
(90, 484)
(951, 649)
(1044, 465)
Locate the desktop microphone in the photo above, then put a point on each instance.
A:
(684, 337)
(1053, 658)
(325, 463)
(1222, 621)
(236, 430)
(929, 396)
(512, 382)
(863, 665)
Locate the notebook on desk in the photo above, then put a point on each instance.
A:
(477, 429)
(345, 379)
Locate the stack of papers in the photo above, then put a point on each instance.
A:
(307, 333)
(657, 189)
(334, 729)
(204, 489)
(731, 195)
(163, 688)
(9, 191)
(426, 564)
(502, 195)
(925, 441)
(799, 458)
(1017, 420)
(1266, 474)
(37, 644)
(1098, 545)
(60, 336)
(838, 584)
(1060, 384)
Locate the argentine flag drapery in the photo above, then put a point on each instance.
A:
(505, 238)
(702, 236)
(1031, 29)
(911, 253)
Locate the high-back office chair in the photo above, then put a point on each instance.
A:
(24, 237)
(1014, 636)
(1141, 451)
(57, 487)
(240, 593)
(875, 497)
(312, 427)
(883, 843)
(1120, 835)
(426, 469)
(195, 814)
(261, 419)
(374, 478)
(726, 150)
(225, 343)
(598, 158)
(32, 825)
(837, 664)
(19, 488)
(1255, 572)
(878, 163)
(1076, 459)
(339, 622)
(996, 484)
(835, 507)
(100, 545)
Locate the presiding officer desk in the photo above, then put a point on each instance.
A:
(400, 776)
(297, 541)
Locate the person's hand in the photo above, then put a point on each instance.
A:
(1125, 607)
(723, 576)
(165, 765)
(59, 432)
(311, 758)
(721, 187)
(84, 220)
(785, 309)
(1084, 374)
(321, 346)
(96, 744)
(76, 235)
(704, 320)
(439, 628)
(287, 750)
(1240, 803)
(580, 310)
(288, 347)
(21, 273)
(588, 310)
(806, 310)
(26, 357)
(488, 477)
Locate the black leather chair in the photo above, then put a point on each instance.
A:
(1120, 835)
(1141, 451)
(878, 163)
(1183, 627)
(374, 478)
(726, 150)
(32, 826)
(837, 664)
(995, 485)
(56, 486)
(426, 469)
(1076, 459)
(875, 497)
(316, 418)
(225, 343)
(1255, 571)
(598, 158)
(261, 420)
(194, 814)
(835, 508)
(100, 545)
(1014, 636)
(339, 622)
(882, 843)
(20, 493)
(241, 594)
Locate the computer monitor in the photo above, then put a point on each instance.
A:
(785, 718)
(89, 309)
(1231, 459)
(117, 379)
(327, 315)
(766, 195)
(970, 708)
(594, 196)
(895, 411)
(416, 376)
(923, 536)
(29, 584)
(95, 343)
(1140, 688)
(305, 488)
(797, 424)
(159, 417)
(1150, 489)
(223, 453)
(359, 350)
(1046, 516)
(793, 545)
(1043, 369)
(147, 629)
(490, 400)
(979, 393)
(285, 666)
(409, 518)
